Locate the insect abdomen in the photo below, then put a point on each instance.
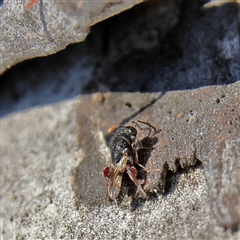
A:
(119, 142)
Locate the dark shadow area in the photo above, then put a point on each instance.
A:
(172, 180)
(172, 177)
(148, 48)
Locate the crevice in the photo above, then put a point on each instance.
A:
(173, 177)
(124, 121)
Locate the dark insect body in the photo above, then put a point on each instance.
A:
(123, 149)
(121, 142)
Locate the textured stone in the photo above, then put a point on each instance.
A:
(200, 125)
(49, 26)
(202, 50)
(52, 157)
(203, 125)
(216, 3)
(96, 116)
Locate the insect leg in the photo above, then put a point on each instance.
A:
(107, 171)
(132, 173)
(148, 127)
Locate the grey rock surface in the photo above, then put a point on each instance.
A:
(66, 74)
(52, 156)
(49, 26)
(45, 148)
(201, 125)
(152, 47)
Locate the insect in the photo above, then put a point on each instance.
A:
(124, 156)
(123, 149)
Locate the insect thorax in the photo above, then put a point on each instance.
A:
(121, 140)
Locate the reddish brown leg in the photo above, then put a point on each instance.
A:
(106, 174)
(135, 156)
(132, 173)
(106, 198)
(148, 127)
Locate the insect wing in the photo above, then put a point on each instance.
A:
(114, 184)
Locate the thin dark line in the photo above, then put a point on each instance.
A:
(44, 22)
(140, 110)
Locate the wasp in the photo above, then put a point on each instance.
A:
(123, 149)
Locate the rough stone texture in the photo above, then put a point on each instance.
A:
(183, 46)
(67, 73)
(49, 26)
(217, 3)
(44, 147)
(52, 156)
(201, 49)
(200, 125)
(96, 116)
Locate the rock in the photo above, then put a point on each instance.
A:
(45, 27)
(201, 125)
(201, 49)
(216, 3)
(52, 158)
